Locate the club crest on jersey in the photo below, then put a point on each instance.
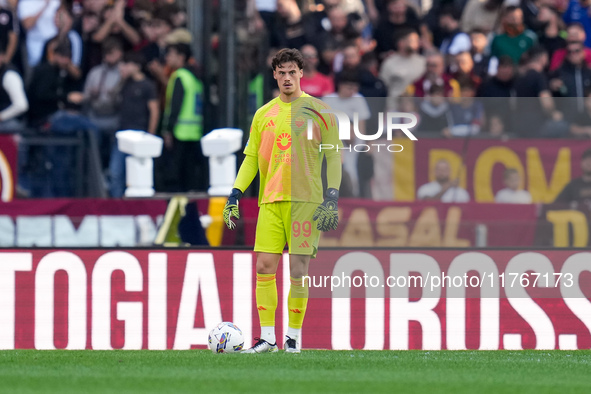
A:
(284, 141)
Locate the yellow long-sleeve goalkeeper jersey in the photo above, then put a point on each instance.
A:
(289, 162)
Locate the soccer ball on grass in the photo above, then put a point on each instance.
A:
(226, 337)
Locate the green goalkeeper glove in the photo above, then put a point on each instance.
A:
(327, 213)
(231, 208)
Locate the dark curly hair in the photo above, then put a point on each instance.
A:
(287, 56)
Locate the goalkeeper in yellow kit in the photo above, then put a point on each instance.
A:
(285, 147)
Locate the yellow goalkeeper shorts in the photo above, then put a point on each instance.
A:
(287, 222)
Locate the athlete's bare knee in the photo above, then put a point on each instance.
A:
(267, 263)
(298, 265)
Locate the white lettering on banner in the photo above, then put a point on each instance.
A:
(200, 287)
(573, 296)
(7, 234)
(374, 303)
(93, 231)
(33, 231)
(403, 311)
(529, 310)
(392, 117)
(489, 303)
(65, 234)
(101, 300)
(157, 301)
(242, 295)
(45, 296)
(199, 275)
(10, 263)
(122, 231)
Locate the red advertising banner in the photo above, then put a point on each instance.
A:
(154, 299)
(76, 223)
(8, 172)
(545, 166)
(366, 223)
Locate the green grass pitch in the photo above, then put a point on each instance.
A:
(31, 371)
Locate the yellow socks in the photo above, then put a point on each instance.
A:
(297, 302)
(266, 296)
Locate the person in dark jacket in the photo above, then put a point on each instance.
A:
(571, 81)
(496, 92)
(50, 85)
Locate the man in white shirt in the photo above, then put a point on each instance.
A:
(443, 188)
(38, 18)
(512, 194)
(348, 100)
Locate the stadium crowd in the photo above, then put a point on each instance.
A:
(466, 68)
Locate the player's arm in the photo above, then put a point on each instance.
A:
(327, 213)
(248, 170)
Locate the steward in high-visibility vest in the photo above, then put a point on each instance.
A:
(183, 112)
(182, 125)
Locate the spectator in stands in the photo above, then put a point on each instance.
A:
(116, 22)
(155, 51)
(443, 188)
(139, 109)
(292, 29)
(38, 19)
(182, 126)
(580, 126)
(50, 86)
(100, 94)
(578, 11)
(369, 84)
(515, 39)
(575, 34)
(51, 110)
(95, 6)
(455, 41)
(531, 11)
(404, 67)
(87, 26)
(348, 100)
(571, 81)
(313, 82)
(467, 115)
(398, 18)
(464, 69)
(579, 189)
(482, 61)
(481, 15)
(434, 115)
(13, 99)
(9, 30)
(268, 11)
(435, 75)
(512, 193)
(531, 115)
(496, 92)
(64, 20)
(332, 41)
(160, 26)
(550, 36)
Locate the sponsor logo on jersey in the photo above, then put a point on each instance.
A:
(284, 141)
